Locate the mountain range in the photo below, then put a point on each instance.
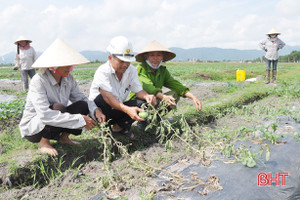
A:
(202, 53)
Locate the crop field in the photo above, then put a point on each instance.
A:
(241, 126)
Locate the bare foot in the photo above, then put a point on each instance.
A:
(65, 139)
(116, 128)
(129, 134)
(45, 147)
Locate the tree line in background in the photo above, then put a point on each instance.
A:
(294, 56)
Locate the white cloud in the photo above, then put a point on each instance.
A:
(288, 7)
(186, 24)
(10, 19)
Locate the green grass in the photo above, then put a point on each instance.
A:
(215, 108)
(12, 142)
(232, 99)
(186, 72)
(225, 71)
(12, 108)
(18, 93)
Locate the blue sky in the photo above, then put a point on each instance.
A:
(90, 24)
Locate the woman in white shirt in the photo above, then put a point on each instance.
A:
(271, 45)
(55, 107)
(24, 59)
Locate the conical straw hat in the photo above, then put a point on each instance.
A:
(273, 31)
(155, 46)
(22, 38)
(59, 54)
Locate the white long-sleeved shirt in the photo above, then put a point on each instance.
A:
(105, 78)
(271, 46)
(45, 91)
(25, 59)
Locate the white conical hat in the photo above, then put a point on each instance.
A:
(59, 54)
(155, 46)
(22, 38)
(273, 31)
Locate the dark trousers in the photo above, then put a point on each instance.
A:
(52, 132)
(117, 116)
(24, 77)
(271, 62)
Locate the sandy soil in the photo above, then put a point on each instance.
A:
(201, 91)
(12, 85)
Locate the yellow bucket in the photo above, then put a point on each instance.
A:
(240, 75)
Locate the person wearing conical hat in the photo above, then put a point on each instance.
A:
(111, 86)
(24, 59)
(153, 75)
(55, 107)
(271, 45)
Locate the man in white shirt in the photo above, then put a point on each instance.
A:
(111, 86)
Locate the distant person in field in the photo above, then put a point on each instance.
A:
(271, 45)
(111, 86)
(55, 107)
(153, 75)
(24, 59)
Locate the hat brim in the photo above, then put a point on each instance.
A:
(154, 46)
(167, 55)
(16, 42)
(59, 54)
(272, 33)
(126, 58)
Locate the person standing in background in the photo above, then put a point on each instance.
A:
(24, 59)
(271, 45)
